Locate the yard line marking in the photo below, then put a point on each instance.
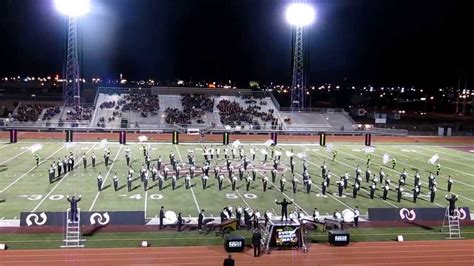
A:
(57, 184)
(1, 147)
(105, 179)
(192, 190)
(146, 202)
(336, 199)
(6, 161)
(446, 153)
(25, 174)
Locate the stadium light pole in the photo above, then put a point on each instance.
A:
(299, 15)
(73, 9)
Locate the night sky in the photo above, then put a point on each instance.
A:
(407, 42)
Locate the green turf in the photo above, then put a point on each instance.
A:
(26, 187)
(167, 238)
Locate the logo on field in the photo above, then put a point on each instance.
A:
(99, 218)
(460, 213)
(35, 219)
(410, 215)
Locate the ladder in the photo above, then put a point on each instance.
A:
(451, 223)
(72, 238)
(267, 236)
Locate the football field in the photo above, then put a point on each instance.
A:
(25, 187)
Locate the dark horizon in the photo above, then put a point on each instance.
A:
(419, 43)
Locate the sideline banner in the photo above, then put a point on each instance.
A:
(414, 214)
(99, 218)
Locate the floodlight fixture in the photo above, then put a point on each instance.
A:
(73, 8)
(300, 14)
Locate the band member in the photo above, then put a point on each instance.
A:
(308, 186)
(180, 222)
(93, 159)
(145, 181)
(84, 160)
(324, 186)
(346, 179)
(450, 183)
(368, 160)
(264, 182)
(284, 208)
(204, 181)
(187, 181)
(59, 166)
(51, 174)
(282, 183)
(165, 172)
(416, 192)
(399, 193)
(99, 182)
(249, 180)
(340, 188)
(433, 193)
(246, 162)
(173, 182)
(357, 171)
(37, 158)
(221, 180)
(334, 154)
(404, 175)
(256, 241)
(254, 173)
(234, 182)
(452, 203)
(162, 216)
(431, 179)
(323, 169)
(65, 164)
(438, 168)
(372, 190)
(381, 176)
(147, 162)
(241, 173)
(160, 181)
(356, 217)
(274, 173)
(73, 201)
(292, 166)
(115, 181)
(238, 216)
(200, 220)
(386, 188)
(355, 189)
(129, 182)
(106, 158)
(328, 177)
(294, 182)
(394, 163)
(127, 156)
(275, 164)
(158, 164)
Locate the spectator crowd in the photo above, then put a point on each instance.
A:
(194, 107)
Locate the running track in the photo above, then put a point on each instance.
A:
(454, 252)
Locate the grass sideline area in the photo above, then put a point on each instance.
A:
(168, 238)
(26, 188)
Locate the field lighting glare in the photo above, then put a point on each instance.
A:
(73, 8)
(299, 14)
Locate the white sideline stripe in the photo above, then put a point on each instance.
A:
(447, 153)
(192, 190)
(444, 178)
(6, 161)
(105, 178)
(1, 147)
(23, 175)
(57, 184)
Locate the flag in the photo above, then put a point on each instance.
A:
(236, 143)
(301, 155)
(142, 138)
(289, 154)
(277, 153)
(433, 159)
(36, 147)
(386, 158)
(104, 143)
(369, 149)
(268, 143)
(329, 148)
